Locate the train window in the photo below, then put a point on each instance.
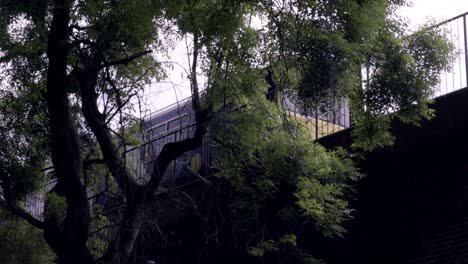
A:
(177, 123)
(154, 132)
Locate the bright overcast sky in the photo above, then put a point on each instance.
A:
(163, 94)
(440, 10)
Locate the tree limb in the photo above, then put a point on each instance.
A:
(19, 212)
(7, 201)
(65, 145)
(126, 60)
(173, 150)
(96, 122)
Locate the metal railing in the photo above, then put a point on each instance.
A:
(34, 203)
(140, 159)
(336, 116)
(456, 78)
(322, 119)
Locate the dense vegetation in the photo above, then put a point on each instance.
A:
(21, 242)
(71, 70)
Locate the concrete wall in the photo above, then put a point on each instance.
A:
(413, 205)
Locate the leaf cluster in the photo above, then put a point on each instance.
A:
(280, 180)
(21, 243)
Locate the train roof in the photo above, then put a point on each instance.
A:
(169, 112)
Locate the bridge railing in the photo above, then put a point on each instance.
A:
(455, 78)
(337, 117)
(140, 159)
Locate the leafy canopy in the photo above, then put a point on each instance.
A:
(316, 50)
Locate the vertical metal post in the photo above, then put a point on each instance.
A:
(316, 124)
(466, 49)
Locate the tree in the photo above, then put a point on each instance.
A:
(21, 242)
(71, 68)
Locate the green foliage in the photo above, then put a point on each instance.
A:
(21, 243)
(133, 134)
(289, 239)
(401, 76)
(262, 247)
(318, 52)
(98, 241)
(323, 204)
(23, 139)
(278, 175)
(55, 208)
(359, 50)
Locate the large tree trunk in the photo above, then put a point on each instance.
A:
(67, 239)
(136, 196)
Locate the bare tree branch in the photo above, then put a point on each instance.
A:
(173, 150)
(19, 212)
(126, 60)
(102, 228)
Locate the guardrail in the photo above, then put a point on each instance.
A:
(337, 116)
(456, 78)
(140, 159)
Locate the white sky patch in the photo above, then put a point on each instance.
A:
(422, 10)
(17, 29)
(176, 87)
(177, 84)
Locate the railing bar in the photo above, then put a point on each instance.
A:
(466, 48)
(452, 66)
(180, 103)
(458, 47)
(446, 81)
(160, 137)
(439, 87)
(448, 20)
